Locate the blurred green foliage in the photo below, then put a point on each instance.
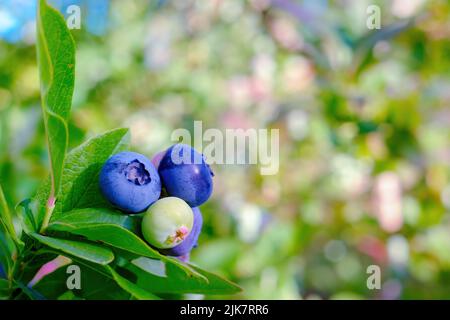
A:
(364, 121)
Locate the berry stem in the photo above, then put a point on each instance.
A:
(48, 213)
(49, 267)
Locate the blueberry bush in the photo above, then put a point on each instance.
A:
(69, 221)
(364, 122)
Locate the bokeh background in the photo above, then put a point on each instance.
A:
(364, 120)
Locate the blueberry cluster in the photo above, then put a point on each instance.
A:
(169, 188)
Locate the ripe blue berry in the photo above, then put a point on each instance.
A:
(191, 240)
(185, 174)
(130, 182)
(167, 223)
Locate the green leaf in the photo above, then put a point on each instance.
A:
(7, 249)
(26, 216)
(174, 281)
(80, 175)
(87, 251)
(56, 61)
(4, 289)
(113, 228)
(5, 215)
(4, 284)
(130, 287)
(217, 284)
(101, 224)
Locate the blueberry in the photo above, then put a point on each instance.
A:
(185, 174)
(167, 223)
(130, 182)
(190, 242)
